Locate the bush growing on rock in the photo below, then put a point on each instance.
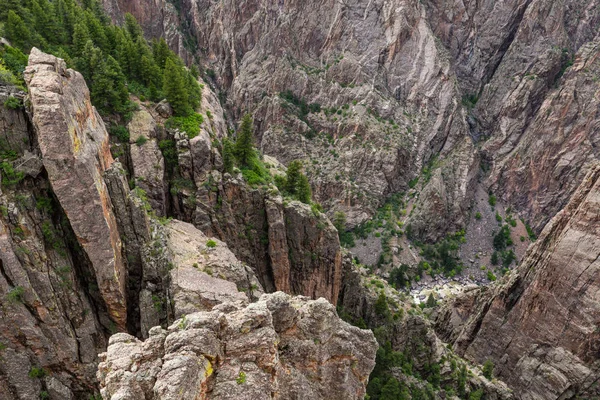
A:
(488, 369)
(15, 295)
(13, 103)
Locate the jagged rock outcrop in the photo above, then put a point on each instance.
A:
(540, 324)
(51, 315)
(73, 143)
(280, 347)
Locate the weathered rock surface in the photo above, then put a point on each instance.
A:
(50, 316)
(205, 272)
(147, 161)
(539, 325)
(74, 146)
(390, 76)
(280, 347)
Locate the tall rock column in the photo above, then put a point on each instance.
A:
(75, 150)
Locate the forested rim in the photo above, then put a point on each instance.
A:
(115, 61)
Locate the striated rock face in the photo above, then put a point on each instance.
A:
(280, 347)
(539, 172)
(399, 81)
(384, 84)
(540, 324)
(74, 146)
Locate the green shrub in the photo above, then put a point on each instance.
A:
(488, 369)
(211, 244)
(140, 141)
(498, 217)
(44, 395)
(477, 215)
(476, 395)
(492, 200)
(15, 295)
(10, 177)
(36, 372)
(168, 148)
(491, 276)
(189, 124)
(13, 103)
(241, 379)
(120, 132)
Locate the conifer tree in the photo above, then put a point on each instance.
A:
(227, 155)
(161, 52)
(133, 27)
(9, 5)
(175, 90)
(304, 192)
(81, 35)
(108, 87)
(244, 147)
(193, 89)
(293, 178)
(17, 31)
(45, 20)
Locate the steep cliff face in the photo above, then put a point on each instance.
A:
(379, 85)
(53, 317)
(540, 325)
(291, 248)
(400, 81)
(539, 171)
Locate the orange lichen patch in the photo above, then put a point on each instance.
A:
(76, 142)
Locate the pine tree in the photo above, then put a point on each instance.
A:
(339, 221)
(45, 21)
(81, 35)
(244, 148)
(293, 178)
(227, 156)
(9, 5)
(161, 52)
(304, 192)
(194, 92)
(108, 87)
(133, 27)
(430, 301)
(175, 90)
(96, 31)
(17, 31)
